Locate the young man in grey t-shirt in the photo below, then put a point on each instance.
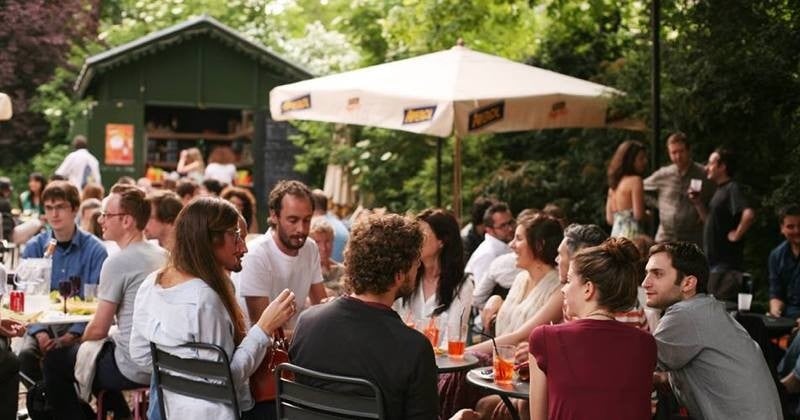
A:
(125, 215)
(712, 365)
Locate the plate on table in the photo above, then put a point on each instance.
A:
(19, 317)
(487, 374)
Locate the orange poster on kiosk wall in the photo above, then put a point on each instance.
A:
(119, 144)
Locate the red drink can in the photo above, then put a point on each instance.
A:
(16, 301)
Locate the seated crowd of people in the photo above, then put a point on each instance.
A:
(612, 327)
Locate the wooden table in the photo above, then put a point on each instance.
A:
(446, 364)
(516, 389)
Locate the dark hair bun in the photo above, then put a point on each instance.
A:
(622, 250)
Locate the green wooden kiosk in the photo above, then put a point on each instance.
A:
(196, 84)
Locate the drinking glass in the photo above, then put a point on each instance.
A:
(65, 290)
(456, 338)
(75, 281)
(695, 185)
(89, 292)
(431, 331)
(504, 364)
(744, 301)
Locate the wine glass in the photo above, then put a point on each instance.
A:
(65, 290)
(75, 281)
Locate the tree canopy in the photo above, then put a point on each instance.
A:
(730, 77)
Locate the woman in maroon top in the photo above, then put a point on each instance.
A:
(594, 367)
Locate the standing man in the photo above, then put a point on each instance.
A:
(80, 167)
(283, 258)
(340, 232)
(680, 217)
(729, 218)
(164, 208)
(77, 253)
(360, 335)
(126, 214)
(712, 365)
(499, 225)
(784, 266)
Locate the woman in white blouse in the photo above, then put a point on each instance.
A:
(535, 289)
(442, 290)
(192, 300)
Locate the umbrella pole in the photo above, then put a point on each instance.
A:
(439, 172)
(457, 178)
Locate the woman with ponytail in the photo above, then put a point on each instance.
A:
(192, 300)
(594, 367)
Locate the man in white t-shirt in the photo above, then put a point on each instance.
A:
(284, 257)
(80, 167)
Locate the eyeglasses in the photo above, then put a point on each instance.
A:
(237, 235)
(107, 215)
(509, 224)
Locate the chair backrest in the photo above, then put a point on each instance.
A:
(199, 378)
(298, 401)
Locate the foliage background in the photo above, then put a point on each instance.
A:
(729, 77)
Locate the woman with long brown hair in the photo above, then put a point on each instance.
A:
(442, 289)
(192, 300)
(625, 200)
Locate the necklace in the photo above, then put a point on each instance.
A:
(599, 313)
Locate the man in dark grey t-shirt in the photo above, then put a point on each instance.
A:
(710, 362)
(729, 218)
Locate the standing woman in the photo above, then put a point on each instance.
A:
(191, 165)
(442, 289)
(594, 367)
(30, 200)
(192, 300)
(625, 200)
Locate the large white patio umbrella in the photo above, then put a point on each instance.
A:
(452, 92)
(5, 107)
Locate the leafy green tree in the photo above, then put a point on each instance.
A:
(35, 36)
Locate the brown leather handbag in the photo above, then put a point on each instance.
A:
(262, 382)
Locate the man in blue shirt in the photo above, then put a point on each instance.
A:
(784, 266)
(77, 253)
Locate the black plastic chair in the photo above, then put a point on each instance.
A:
(199, 378)
(298, 401)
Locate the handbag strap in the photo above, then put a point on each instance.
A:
(278, 334)
(279, 339)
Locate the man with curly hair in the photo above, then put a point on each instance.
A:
(360, 335)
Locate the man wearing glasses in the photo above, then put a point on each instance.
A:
(499, 225)
(77, 253)
(123, 220)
